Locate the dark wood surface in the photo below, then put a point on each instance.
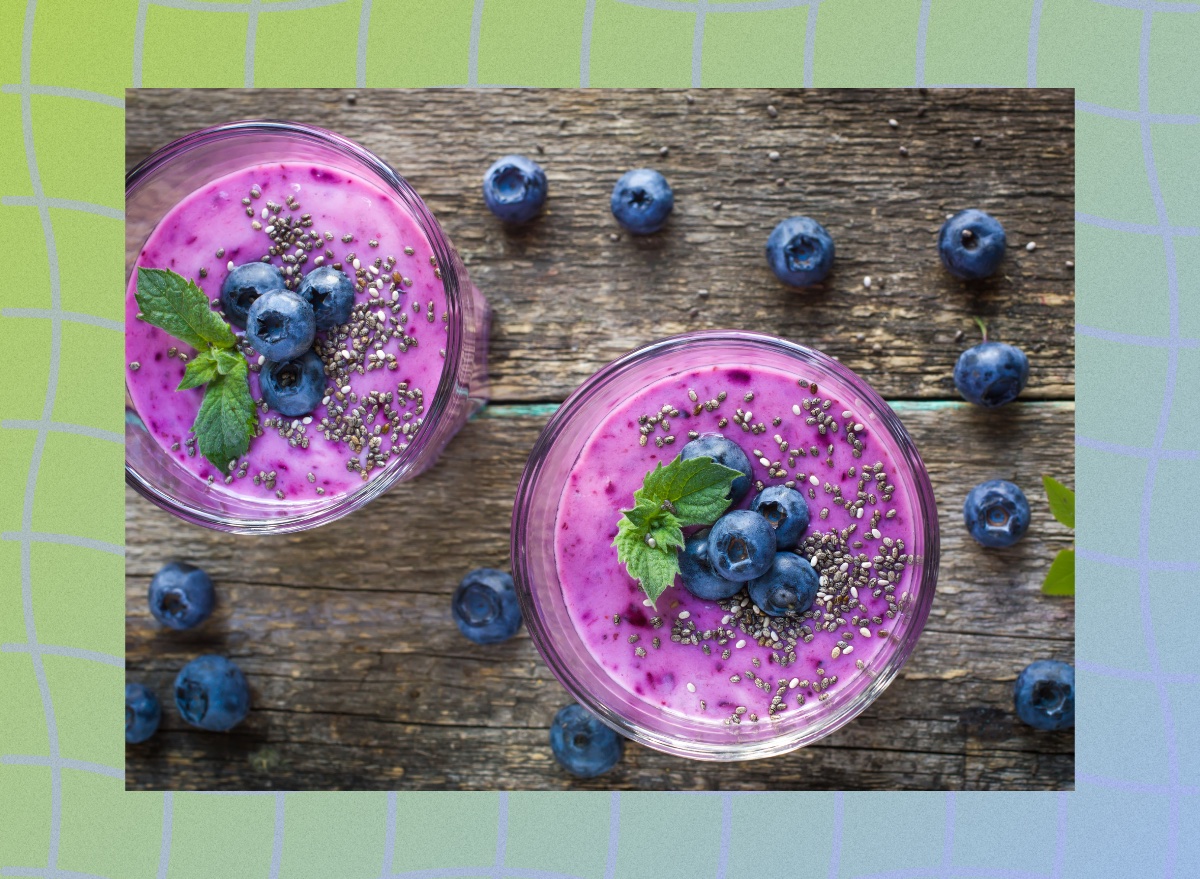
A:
(360, 678)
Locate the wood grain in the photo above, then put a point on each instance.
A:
(361, 680)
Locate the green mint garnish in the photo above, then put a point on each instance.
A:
(225, 423)
(683, 493)
(1060, 579)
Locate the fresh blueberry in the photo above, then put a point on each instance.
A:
(800, 251)
(485, 606)
(244, 285)
(293, 387)
(514, 189)
(1044, 695)
(642, 200)
(331, 295)
(741, 545)
(788, 586)
(727, 453)
(785, 510)
(971, 244)
(211, 693)
(996, 513)
(142, 713)
(181, 595)
(582, 744)
(991, 374)
(697, 574)
(281, 326)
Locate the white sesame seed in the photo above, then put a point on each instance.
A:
(357, 264)
(858, 427)
(307, 419)
(229, 265)
(261, 360)
(849, 648)
(740, 644)
(859, 515)
(749, 415)
(846, 413)
(725, 620)
(683, 615)
(875, 533)
(765, 462)
(793, 683)
(1031, 246)
(893, 123)
(813, 479)
(270, 230)
(854, 592)
(773, 155)
(691, 687)
(647, 602)
(345, 389)
(865, 632)
(867, 282)
(795, 408)
(265, 213)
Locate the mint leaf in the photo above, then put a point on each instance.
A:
(226, 419)
(175, 304)
(1060, 579)
(697, 488)
(201, 369)
(1062, 501)
(227, 360)
(692, 492)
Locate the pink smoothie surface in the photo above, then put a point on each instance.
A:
(351, 219)
(739, 672)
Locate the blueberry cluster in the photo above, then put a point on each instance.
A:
(750, 548)
(282, 325)
(210, 691)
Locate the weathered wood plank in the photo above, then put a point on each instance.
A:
(570, 293)
(362, 681)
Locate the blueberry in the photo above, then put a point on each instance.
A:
(697, 574)
(996, 513)
(741, 545)
(281, 326)
(582, 744)
(642, 200)
(788, 586)
(181, 595)
(991, 374)
(1044, 695)
(485, 606)
(971, 244)
(331, 295)
(800, 251)
(514, 189)
(727, 453)
(211, 693)
(785, 510)
(142, 713)
(293, 387)
(244, 285)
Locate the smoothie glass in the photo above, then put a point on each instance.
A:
(547, 610)
(157, 184)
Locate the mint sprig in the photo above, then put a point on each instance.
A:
(1060, 579)
(227, 418)
(672, 497)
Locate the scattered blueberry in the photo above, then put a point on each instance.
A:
(741, 545)
(244, 285)
(697, 574)
(514, 189)
(293, 387)
(971, 244)
(331, 295)
(142, 713)
(788, 586)
(181, 595)
(800, 251)
(991, 374)
(727, 453)
(785, 511)
(582, 744)
(642, 200)
(996, 513)
(485, 606)
(211, 693)
(1044, 695)
(281, 326)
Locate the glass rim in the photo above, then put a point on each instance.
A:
(841, 711)
(339, 505)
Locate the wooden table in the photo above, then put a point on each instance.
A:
(360, 679)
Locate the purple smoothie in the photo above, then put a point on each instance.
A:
(725, 662)
(337, 219)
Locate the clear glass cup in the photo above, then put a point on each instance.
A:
(540, 590)
(173, 172)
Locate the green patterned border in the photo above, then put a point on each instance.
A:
(64, 65)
